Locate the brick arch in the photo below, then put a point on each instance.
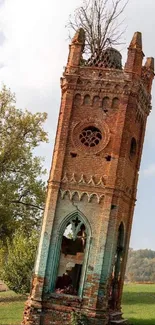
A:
(86, 100)
(77, 99)
(133, 148)
(115, 102)
(105, 102)
(96, 101)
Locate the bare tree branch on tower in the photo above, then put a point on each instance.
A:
(100, 21)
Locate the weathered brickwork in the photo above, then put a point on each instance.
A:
(92, 188)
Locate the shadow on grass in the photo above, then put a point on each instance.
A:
(135, 321)
(132, 298)
(13, 299)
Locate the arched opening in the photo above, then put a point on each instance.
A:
(117, 87)
(105, 104)
(133, 148)
(72, 257)
(86, 100)
(116, 273)
(77, 99)
(96, 101)
(115, 103)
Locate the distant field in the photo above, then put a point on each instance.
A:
(138, 305)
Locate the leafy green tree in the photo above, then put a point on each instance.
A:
(141, 266)
(22, 190)
(18, 261)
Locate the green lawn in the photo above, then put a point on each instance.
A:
(11, 308)
(138, 305)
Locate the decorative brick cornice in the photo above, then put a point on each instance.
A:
(83, 180)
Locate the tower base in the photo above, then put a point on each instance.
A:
(63, 311)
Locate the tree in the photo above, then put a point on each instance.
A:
(100, 21)
(22, 191)
(18, 261)
(141, 266)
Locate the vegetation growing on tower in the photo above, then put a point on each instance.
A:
(100, 20)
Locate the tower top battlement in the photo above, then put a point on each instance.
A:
(111, 58)
(136, 42)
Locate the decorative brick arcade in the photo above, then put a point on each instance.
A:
(81, 259)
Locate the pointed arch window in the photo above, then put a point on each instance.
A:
(69, 255)
(116, 274)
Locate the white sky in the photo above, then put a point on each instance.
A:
(33, 51)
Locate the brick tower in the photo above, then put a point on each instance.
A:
(91, 195)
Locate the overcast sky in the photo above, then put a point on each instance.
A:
(33, 52)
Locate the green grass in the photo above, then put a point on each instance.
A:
(138, 305)
(11, 308)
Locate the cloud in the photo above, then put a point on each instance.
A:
(2, 38)
(150, 170)
(2, 2)
(33, 51)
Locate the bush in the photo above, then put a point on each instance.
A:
(18, 261)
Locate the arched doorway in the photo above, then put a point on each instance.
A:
(116, 273)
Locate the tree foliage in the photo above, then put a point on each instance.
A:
(100, 21)
(18, 260)
(141, 266)
(22, 191)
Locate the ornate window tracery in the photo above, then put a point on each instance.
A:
(90, 136)
(71, 258)
(69, 251)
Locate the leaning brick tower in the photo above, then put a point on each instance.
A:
(91, 194)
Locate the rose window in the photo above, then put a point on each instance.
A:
(90, 136)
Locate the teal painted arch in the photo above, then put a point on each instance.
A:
(75, 214)
(55, 250)
(121, 233)
(112, 241)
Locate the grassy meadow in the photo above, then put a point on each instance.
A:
(11, 308)
(138, 305)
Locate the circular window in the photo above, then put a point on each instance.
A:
(90, 136)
